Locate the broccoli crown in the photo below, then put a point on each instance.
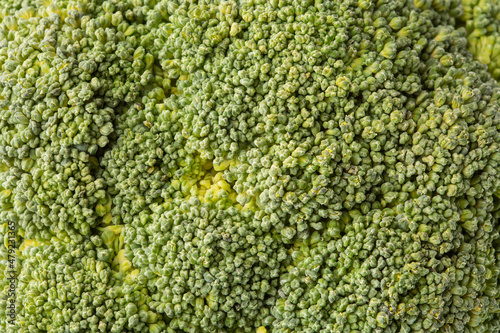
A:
(251, 166)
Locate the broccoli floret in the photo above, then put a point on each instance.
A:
(482, 20)
(74, 288)
(68, 69)
(207, 267)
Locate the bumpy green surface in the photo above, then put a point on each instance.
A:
(241, 166)
(482, 20)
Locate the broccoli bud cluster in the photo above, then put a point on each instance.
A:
(241, 166)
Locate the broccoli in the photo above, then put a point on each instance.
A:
(73, 288)
(482, 20)
(250, 166)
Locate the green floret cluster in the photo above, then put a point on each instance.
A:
(72, 288)
(250, 166)
(66, 70)
(482, 20)
(206, 266)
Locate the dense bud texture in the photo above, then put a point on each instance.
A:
(251, 166)
(482, 20)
